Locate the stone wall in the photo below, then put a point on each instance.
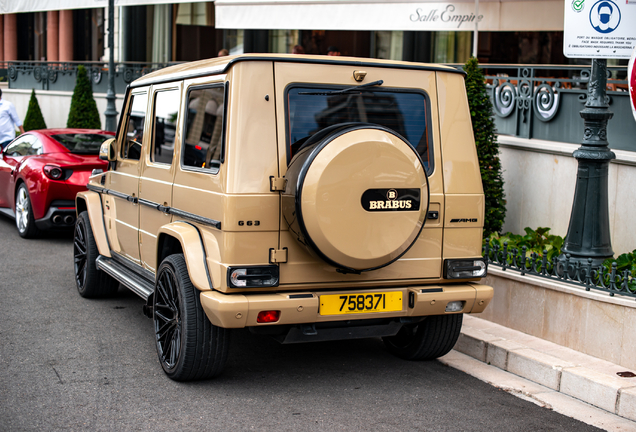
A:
(540, 177)
(590, 322)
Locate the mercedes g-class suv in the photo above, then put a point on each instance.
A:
(307, 198)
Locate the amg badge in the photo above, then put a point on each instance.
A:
(463, 220)
(391, 200)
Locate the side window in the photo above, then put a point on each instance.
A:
(36, 148)
(131, 146)
(23, 146)
(205, 128)
(166, 108)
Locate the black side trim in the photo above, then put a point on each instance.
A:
(224, 68)
(200, 219)
(112, 193)
(152, 204)
(94, 188)
(164, 209)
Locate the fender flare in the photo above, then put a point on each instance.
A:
(189, 236)
(92, 203)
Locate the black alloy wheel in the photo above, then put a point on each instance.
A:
(91, 282)
(189, 346)
(167, 318)
(80, 254)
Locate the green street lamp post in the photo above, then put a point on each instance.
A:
(111, 110)
(589, 232)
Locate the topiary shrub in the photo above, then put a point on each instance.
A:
(33, 119)
(481, 114)
(83, 114)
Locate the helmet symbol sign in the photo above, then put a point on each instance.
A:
(605, 16)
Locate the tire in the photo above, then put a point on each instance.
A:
(429, 339)
(189, 346)
(24, 220)
(91, 282)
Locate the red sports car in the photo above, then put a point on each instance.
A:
(41, 172)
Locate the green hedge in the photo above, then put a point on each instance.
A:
(481, 114)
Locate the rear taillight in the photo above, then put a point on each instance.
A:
(53, 172)
(465, 268)
(252, 276)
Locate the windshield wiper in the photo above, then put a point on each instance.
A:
(343, 91)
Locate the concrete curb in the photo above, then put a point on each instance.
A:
(572, 373)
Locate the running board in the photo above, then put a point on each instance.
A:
(137, 284)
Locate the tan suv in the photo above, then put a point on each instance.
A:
(307, 198)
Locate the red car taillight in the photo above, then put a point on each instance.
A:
(53, 172)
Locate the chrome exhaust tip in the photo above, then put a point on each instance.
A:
(57, 219)
(69, 219)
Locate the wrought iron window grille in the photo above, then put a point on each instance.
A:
(560, 269)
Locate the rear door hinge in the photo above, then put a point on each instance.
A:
(277, 255)
(277, 183)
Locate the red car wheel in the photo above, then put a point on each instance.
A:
(24, 220)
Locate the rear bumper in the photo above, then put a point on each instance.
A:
(240, 310)
(59, 216)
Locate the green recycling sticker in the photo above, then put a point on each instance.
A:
(578, 5)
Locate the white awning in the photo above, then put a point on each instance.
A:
(15, 6)
(506, 15)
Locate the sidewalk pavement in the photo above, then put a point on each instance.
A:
(557, 370)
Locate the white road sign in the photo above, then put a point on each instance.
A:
(599, 28)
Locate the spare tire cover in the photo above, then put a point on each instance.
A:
(357, 196)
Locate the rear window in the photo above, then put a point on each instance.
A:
(82, 143)
(405, 112)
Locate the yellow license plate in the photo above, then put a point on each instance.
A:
(339, 304)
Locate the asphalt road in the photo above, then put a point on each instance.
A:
(67, 363)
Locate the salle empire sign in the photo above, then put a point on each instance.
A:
(447, 16)
(364, 15)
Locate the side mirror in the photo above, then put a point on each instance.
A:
(107, 150)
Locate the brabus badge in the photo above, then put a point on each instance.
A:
(391, 200)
